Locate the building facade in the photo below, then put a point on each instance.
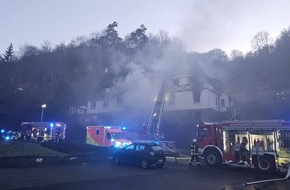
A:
(189, 100)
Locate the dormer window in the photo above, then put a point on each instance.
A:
(119, 102)
(107, 90)
(196, 96)
(175, 82)
(93, 105)
(106, 103)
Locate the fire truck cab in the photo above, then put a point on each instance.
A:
(108, 136)
(264, 144)
(43, 131)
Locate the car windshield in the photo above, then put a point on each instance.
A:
(156, 148)
(118, 135)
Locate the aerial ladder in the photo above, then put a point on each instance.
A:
(153, 126)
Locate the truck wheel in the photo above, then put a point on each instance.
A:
(27, 138)
(265, 164)
(39, 139)
(213, 158)
(145, 164)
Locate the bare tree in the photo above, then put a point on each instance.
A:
(261, 40)
(236, 54)
(28, 50)
(46, 47)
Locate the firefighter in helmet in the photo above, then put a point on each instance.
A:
(194, 153)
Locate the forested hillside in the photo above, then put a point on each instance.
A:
(64, 75)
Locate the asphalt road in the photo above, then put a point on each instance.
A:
(105, 175)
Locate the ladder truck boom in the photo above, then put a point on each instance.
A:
(153, 126)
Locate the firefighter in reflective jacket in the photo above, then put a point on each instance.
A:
(194, 153)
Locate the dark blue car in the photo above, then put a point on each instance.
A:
(141, 153)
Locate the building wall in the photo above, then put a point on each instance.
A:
(225, 103)
(185, 101)
(105, 105)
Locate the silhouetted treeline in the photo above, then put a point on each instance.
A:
(64, 75)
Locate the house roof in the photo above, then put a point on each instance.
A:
(216, 84)
(106, 81)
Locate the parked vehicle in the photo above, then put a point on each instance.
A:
(43, 131)
(145, 154)
(264, 144)
(109, 136)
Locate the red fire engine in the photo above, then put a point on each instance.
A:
(264, 144)
(43, 131)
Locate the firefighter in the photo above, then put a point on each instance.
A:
(194, 153)
(244, 151)
(237, 152)
(57, 134)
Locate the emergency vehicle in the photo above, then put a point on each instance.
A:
(263, 144)
(109, 136)
(43, 131)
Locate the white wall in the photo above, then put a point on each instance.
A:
(184, 101)
(112, 106)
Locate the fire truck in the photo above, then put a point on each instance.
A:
(43, 131)
(109, 136)
(262, 144)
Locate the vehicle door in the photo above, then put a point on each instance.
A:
(127, 154)
(140, 153)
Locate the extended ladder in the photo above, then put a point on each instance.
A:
(155, 118)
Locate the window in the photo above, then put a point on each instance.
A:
(175, 82)
(106, 103)
(171, 100)
(97, 132)
(109, 136)
(216, 101)
(107, 90)
(196, 97)
(93, 105)
(192, 79)
(140, 147)
(223, 103)
(130, 147)
(119, 102)
(156, 148)
(204, 132)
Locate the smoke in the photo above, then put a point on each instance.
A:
(208, 24)
(230, 25)
(141, 86)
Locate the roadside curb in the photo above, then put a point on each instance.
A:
(35, 161)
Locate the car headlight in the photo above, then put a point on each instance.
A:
(117, 144)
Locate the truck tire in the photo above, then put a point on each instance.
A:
(28, 135)
(212, 158)
(39, 139)
(265, 163)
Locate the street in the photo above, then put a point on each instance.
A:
(105, 175)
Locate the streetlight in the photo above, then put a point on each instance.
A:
(42, 108)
